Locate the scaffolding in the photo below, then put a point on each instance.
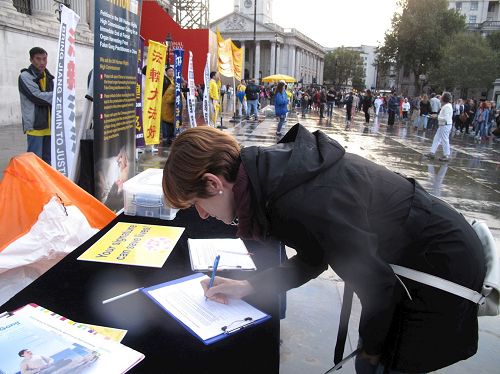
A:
(189, 14)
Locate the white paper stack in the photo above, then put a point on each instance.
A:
(233, 254)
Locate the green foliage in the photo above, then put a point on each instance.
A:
(344, 64)
(494, 41)
(418, 35)
(468, 62)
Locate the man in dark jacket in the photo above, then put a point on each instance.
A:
(35, 89)
(252, 93)
(392, 109)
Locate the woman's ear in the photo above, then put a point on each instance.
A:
(212, 182)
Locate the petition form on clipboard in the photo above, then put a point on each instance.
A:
(233, 254)
(208, 320)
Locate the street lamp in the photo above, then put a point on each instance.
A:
(275, 51)
(168, 40)
(254, 36)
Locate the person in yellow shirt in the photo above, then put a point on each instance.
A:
(240, 94)
(35, 85)
(214, 96)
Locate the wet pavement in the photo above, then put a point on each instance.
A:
(470, 182)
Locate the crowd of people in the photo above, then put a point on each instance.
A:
(477, 118)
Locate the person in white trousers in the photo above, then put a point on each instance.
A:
(442, 137)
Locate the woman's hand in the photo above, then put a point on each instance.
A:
(225, 288)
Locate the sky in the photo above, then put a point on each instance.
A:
(331, 23)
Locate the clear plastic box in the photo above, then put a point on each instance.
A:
(143, 196)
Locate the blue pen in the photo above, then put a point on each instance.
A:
(214, 270)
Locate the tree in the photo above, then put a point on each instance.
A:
(468, 62)
(343, 65)
(494, 41)
(418, 34)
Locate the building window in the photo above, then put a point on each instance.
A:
(492, 6)
(473, 5)
(472, 19)
(23, 6)
(458, 5)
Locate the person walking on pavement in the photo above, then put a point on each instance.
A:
(405, 108)
(36, 85)
(435, 108)
(366, 105)
(425, 110)
(252, 93)
(330, 101)
(348, 101)
(392, 109)
(377, 104)
(445, 123)
(240, 94)
(280, 105)
(322, 103)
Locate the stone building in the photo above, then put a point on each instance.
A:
(481, 16)
(275, 49)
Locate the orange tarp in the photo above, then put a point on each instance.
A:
(28, 184)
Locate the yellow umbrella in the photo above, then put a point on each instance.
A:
(279, 77)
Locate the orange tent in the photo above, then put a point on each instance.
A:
(28, 184)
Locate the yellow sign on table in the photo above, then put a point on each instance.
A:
(134, 244)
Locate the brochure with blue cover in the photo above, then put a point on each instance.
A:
(36, 340)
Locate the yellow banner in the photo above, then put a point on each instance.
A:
(230, 58)
(134, 244)
(151, 115)
(237, 61)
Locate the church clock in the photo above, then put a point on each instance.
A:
(248, 3)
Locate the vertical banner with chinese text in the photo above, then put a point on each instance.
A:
(191, 101)
(178, 59)
(116, 44)
(153, 92)
(63, 128)
(206, 80)
(139, 133)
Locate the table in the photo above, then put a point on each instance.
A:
(75, 289)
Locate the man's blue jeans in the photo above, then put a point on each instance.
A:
(252, 108)
(40, 145)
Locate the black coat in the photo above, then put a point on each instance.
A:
(342, 210)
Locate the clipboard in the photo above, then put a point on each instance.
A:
(240, 314)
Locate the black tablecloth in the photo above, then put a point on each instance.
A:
(75, 289)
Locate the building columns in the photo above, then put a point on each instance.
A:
(273, 59)
(7, 5)
(291, 60)
(321, 66)
(43, 8)
(278, 59)
(80, 8)
(257, 60)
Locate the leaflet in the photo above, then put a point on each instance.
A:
(233, 254)
(34, 339)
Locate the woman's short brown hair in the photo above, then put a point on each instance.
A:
(195, 152)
